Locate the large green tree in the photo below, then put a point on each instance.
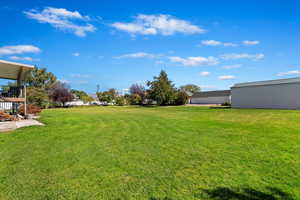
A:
(40, 78)
(37, 96)
(162, 90)
(38, 82)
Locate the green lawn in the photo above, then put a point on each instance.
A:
(157, 153)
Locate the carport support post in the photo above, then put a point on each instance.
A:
(25, 101)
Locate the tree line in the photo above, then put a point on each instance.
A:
(161, 91)
(45, 90)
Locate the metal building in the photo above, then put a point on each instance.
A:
(277, 94)
(211, 97)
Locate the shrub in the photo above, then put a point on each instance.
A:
(6, 117)
(135, 99)
(120, 101)
(31, 109)
(181, 98)
(226, 104)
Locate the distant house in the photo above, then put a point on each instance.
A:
(76, 102)
(211, 97)
(279, 94)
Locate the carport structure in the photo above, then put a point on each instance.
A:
(11, 97)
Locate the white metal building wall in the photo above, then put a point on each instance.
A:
(277, 96)
(210, 100)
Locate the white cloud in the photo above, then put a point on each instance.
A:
(236, 56)
(232, 66)
(230, 44)
(226, 77)
(194, 61)
(218, 43)
(249, 42)
(158, 25)
(18, 49)
(293, 72)
(137, 55)
(211, 43)
(80, 75)
(76, 54)
(204, 73)
(80, 82)
(22, 58)
(62, 19)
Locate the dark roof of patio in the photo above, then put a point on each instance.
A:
(14, 71)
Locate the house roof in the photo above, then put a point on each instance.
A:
(14, 71)
(270, 82)
(216, 93)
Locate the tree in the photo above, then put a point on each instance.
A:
(37, 96)
(113, 93)
(190, 88)
(135, 99)
(38, 82)
(137, 89)
(181, 98)
(108, 96)
(59, 93)
(82, 95)
(40, 78)
(161, 89)
(120, 101)
(137, 94)
(87, 98)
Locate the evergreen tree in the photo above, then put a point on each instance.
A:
(162, 90)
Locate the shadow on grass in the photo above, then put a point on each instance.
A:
(223, 193)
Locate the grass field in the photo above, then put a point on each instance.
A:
(158, 153)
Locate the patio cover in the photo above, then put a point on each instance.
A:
(14, 71)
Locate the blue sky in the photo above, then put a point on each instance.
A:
(115, 43)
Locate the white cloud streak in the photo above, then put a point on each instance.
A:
(76, 54)
(80, 75)
(137, 55)
(62, 19)
(226, 77)
(19, 49)
(23, 58)
(232, 66)
(218, 43)
(288, 73)
(250, 42)
(158, 25)
(236, 56)
(194, 61)
(204, 73)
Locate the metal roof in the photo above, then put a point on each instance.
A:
(270, 82)
(14, 71)
(216, 93)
